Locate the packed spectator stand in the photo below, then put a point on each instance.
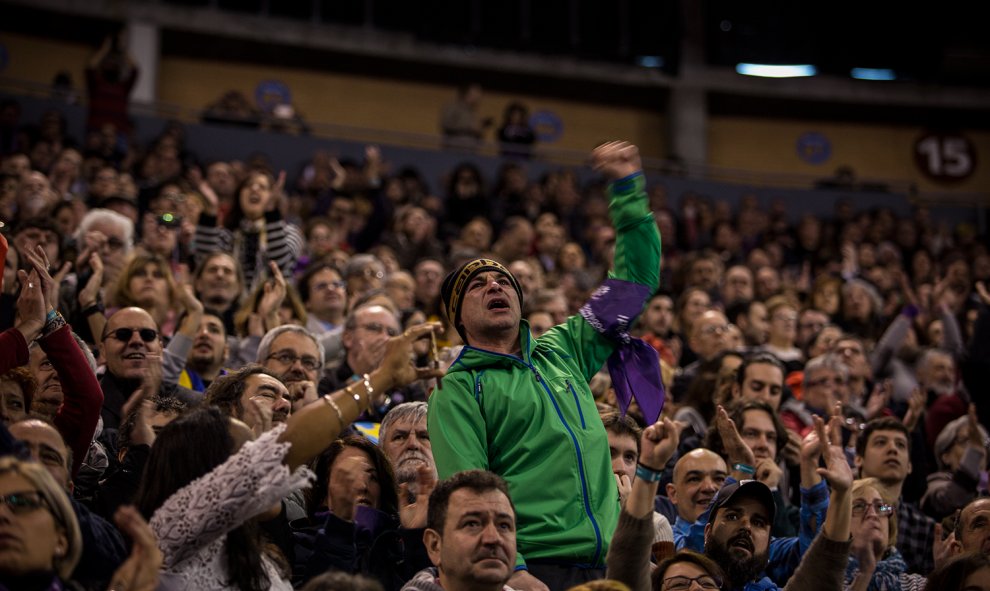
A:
(206, 343)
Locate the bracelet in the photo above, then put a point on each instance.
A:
(54, 322)
(648, 474)
(51, 315)
(744, 468)
(96, 308)
(367, 386)
(336, 409)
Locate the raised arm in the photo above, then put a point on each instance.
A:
(629, 554)
(317, 425)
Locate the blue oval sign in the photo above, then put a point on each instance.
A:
(547, 126)
(814, 148)
(271, 93)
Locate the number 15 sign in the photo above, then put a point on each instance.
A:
(945, 156)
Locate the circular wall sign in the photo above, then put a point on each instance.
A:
(813, 147)
(272, 93)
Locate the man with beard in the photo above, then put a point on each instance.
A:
(784, 553)
(737, 533)
(253, 395)
(936, 371)
(883, 451)
(195, 356)
(219, 283)
(404, 439)
(295, 356)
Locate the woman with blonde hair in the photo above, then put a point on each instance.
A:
(874, 562)
(41, 531)
(146, 282)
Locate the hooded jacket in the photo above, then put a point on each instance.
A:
(532, 418)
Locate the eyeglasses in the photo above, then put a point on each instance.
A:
(859, 508)
(22, 503)
(826, 381)
(684, 583)
(124, 334)
(288, 358)
(114, 244)
(328, 285)
(717, 329)
(379, 328)
(368, 273)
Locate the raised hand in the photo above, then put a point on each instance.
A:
(273, 293)
(38, 260)
(301, 393)
(140, 571)
(916, 409)
(29, 319)
(768, 472)
(658, 443)
(878, 399)
(397, 369)
(90, 293)
(616, 160)
(735, 447)
(836, 472)
(412, 514)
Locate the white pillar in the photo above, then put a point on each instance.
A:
(143, 43)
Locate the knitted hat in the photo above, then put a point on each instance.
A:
(456, 282)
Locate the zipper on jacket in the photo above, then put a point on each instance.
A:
(577, 403)
(581, 472)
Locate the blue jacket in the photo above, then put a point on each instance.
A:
(785, 553)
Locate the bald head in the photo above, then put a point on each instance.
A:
(710, 334)
(697, 477)
(46, 446)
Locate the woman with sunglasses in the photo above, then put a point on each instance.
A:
(874, 562)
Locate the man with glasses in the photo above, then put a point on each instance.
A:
(130, 344)
(294, 355)
(364, 273)
(366, 330)
(825, 379)
(709, 337)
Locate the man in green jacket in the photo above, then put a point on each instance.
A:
(522, 408)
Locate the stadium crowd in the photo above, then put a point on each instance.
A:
(215, 375)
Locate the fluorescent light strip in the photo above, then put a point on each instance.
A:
(776, 71)
(873, 74)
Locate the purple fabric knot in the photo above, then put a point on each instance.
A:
(634, 366)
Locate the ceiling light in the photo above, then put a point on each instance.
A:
(776, 71)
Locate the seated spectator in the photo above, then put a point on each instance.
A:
(406, 442)
(130, 344)
(355, 523)
(883, 451)
(295, 357)
(623, 445)
(252, 395)
(195, 469)
(824, 383)
(146, 282)
(234, 110)
(971, 531)
(254, 231)
(102, 547)
(783, 333)
(961, 454)
(874, 562)
(681, 571)
(470, 535)
(515, 134)
(322, 291)
(364, 273)
(760, 377)
(708, 338)
(17, 388)
(766, 437)
(969, 572)
(218, 282)
(365, 333)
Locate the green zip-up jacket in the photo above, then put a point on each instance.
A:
(532, 419)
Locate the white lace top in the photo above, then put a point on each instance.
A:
(192, 525)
